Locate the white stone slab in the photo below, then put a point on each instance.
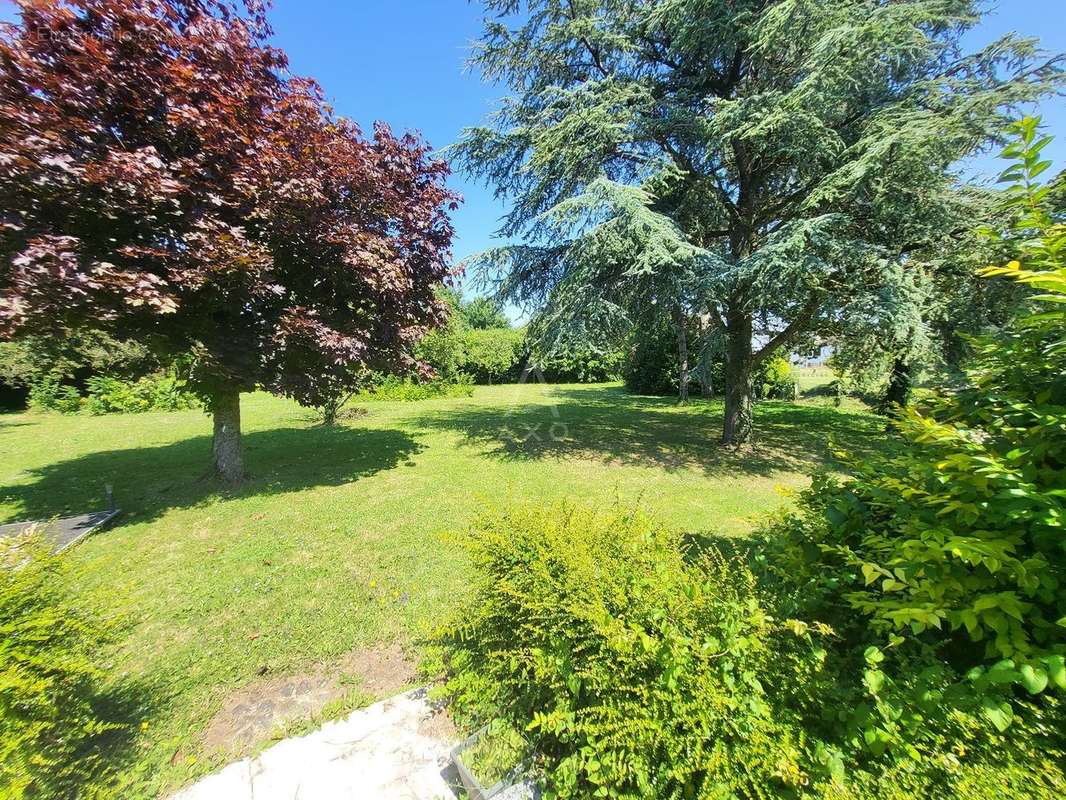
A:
(377, 753)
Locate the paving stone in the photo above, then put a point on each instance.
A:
(378, 753)
(235, 781)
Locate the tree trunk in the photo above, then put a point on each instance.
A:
(899, 387)
(331, 408)
(707, 363)
(682, 359)
(706, 387)
(737, 427)
(329, 413)
(229, 463)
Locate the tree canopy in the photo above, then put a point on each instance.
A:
(757, 161)
(163, 177)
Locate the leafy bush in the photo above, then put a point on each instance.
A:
(581, 363)
(109, 395)
(392, 387)
(154, 393)
(442, 348)
(475, 344)
(958, 538)
(492, 355)
(49, 723)
(634, 673)
(483, 313)
(641, 666)
(943, 563)
(651, 363)
(51, 395)
(775, 381)
(72, 358)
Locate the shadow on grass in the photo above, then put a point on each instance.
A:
(149, 480)
(609, 424)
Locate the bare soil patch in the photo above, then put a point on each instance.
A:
(254, 712)
(439, 727)
(381, 671)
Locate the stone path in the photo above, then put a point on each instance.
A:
(388, 751)
(66, 532)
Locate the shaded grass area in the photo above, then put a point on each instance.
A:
(609, 425)
(339, 538)
(155, 479)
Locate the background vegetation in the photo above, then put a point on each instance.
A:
(896, 634)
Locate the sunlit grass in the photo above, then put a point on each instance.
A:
(338, 539)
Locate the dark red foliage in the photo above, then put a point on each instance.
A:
(162, 176)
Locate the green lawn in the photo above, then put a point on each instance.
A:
(813, 379)
(338, 540)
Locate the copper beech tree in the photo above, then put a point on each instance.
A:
(164, 178)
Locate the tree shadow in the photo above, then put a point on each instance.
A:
(148, 481)
(608, 424)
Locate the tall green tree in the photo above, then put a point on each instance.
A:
(484, 313)
(777, 155)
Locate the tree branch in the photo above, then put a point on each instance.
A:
(798, 322)
(907, 249)
(716, 316)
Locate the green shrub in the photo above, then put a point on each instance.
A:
(476, 342)
(956, 541)
(640, 666)
(72, 357)
(651, 364)
(492, 355)
(942, 565)
(486, 355)
(634, 673)
(483, 313)
(581, 363)
(442, 348)
(775, 380)
(49, 723)
(392, 387)
(50, 395)
(108, 395)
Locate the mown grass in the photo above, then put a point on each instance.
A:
(811, 379)
(338, 539)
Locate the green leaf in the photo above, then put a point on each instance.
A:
(875, 680)
(998, 712)
(1034, 680)
(1056, 669)
(870, 573)
(1039, 169)
(836, 768)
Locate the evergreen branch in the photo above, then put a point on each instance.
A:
(796, 326)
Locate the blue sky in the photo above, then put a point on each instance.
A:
(402, 61)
